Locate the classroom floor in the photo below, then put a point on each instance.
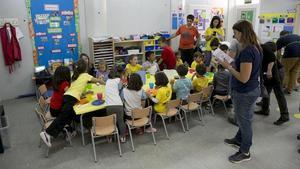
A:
(274, 147)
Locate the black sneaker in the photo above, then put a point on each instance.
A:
(281, 120)
(261, 112)
(232, 142)
(239, 157)
(259, 103)
(298, 136)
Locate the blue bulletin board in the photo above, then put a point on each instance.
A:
(54, 30)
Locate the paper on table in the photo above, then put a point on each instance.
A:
(220, 55)
(171, 73)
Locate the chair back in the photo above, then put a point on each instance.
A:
(42, 90)
(196, 97)
(206, 92)
(138, 113)
(43, 105)
(40, 115)
(102, 122)
(173, 103)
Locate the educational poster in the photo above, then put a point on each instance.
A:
(174, 21)
(200, 19)
(247, 15)
(54, 30)
(217, 12)
(271, 24)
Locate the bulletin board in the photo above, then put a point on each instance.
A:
(54, 30)
(271, 24)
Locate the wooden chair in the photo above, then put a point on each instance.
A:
(44, 106)
(223, 99)
(45, 123)
(206, 95)
(43, 92)
(193, 105)
(140, 118)
(104, 126)
(173, 110)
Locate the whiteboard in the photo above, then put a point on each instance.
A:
(126, 17)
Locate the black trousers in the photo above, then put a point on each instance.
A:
(65, 117)
(187, 55)
(276, 85)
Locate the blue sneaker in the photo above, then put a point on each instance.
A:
(239, 157)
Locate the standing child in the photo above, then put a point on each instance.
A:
(133, 66)
(114, 102)
(164, 93)
(102, 71)
(198, 60)
(183, 85)
(200, 81)
(150, 65)
(167, 59)
(71, 97)
(61, 82)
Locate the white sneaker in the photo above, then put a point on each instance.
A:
(150, 130)
(46, 138)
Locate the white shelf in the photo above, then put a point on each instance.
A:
(128, 55)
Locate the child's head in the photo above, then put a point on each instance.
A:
(133, 60)
(161, 79)
(102, 65)
(85, 57)
(177, 54)
(150, 56)
(113, 73)
(215, 43)
(135, 82)
(164, 41)
(78, 68)
(182, 70)
(61, 74)
(224, 48)
(200, 70)
(198, 57)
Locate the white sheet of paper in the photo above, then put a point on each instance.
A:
(220, 55)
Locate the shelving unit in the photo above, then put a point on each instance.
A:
(103, 49)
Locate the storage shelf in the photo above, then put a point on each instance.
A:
(128, 55)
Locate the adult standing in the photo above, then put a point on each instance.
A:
(271, 79)
(290, 58)
(214, 30)
(91, 70)
(189, 39)
(245, 87)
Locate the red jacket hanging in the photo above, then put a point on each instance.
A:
(10, 45)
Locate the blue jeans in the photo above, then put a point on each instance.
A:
(244, 107)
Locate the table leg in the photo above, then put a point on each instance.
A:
(81, 128)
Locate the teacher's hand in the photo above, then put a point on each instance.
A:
(224, 63)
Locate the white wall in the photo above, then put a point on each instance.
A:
(268, 6)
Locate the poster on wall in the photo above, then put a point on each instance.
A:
(54, 30)
(247, 15)
(200, 19)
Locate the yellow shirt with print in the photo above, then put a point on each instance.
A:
(78, 86)
(200, 83)
(163, 95)
(178, 62)
(133, 69)
(209, 31)
(194, 64)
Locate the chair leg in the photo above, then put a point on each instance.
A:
(119, 144)
(212, 109)
(186, 121)
(163, 120)
(81, 128)
(94, 148)
(154, 141)
(155, 116)
(199, 116)
(225, 107)
(40, 142)
(47, 151)
(130, 134)
(68, 136)
(202, 117)
(181, 122)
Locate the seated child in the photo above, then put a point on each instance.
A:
(199, 81)
(221, 82)
(150, 65)
(183, 85)
(178, 59)
(133, 66)
(164, 93)
(198, 59)
(167, 59)
(102, 71)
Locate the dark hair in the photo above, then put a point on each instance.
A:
(182, 70)
(161, 79)
(271, 45)
(148, 54)
(177, 53)
(214, 42)
(131, 57)
(78, 68)
(164, 40)
(84, 54)
(201, 69)
(224, 47)
(61, 74)
(135, 82)
(197, 54)
(220, 67)
(190, 16)
(284, 32)
(212, 20)
(113, 73)
(248, 37)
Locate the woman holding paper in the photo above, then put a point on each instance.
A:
(245, 87)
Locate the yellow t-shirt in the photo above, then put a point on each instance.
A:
(200, 83)
(209, 31)
(163, 95)
(194, 64)
(133, 69)
(78, 86)
(178, 62)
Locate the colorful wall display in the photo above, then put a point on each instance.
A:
(54, 30)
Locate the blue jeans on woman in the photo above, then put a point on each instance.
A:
(244, 107)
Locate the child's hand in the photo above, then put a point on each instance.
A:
(148, 94)
(172, 81)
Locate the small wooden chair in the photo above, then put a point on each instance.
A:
(104, 126)
(43, 92)
(223, 99)
(140, 118)
(206, 95)
(44, 106)
(173, 110)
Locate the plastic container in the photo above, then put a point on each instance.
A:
(149, 48)
(4, 132)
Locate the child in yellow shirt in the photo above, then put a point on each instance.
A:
(133, 66)
(199, 81)
(178, 59)
(164, 93)
(198, 59)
